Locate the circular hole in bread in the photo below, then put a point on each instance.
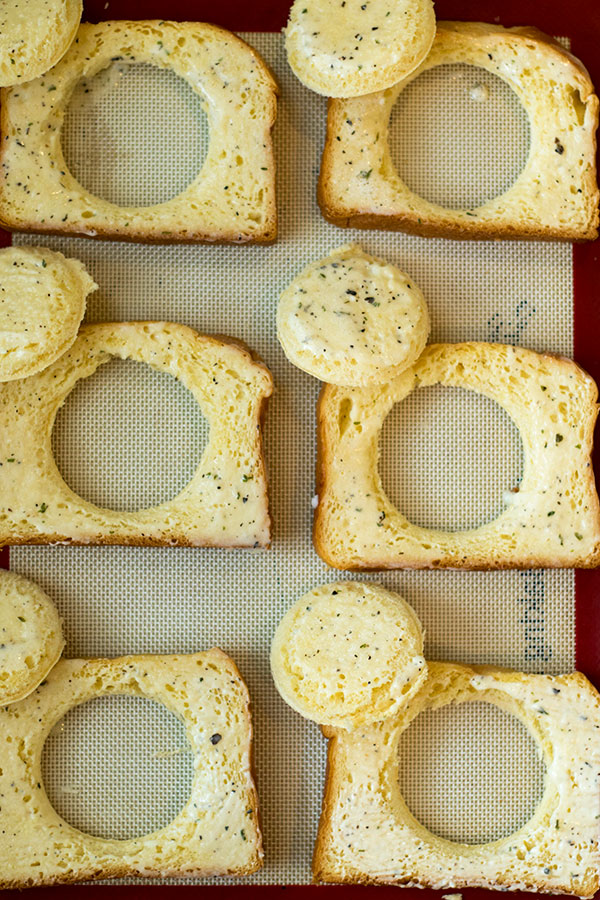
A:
(448, 456)
(467, 146)
(118, 767)
(129, 437)
(458, 777)
(135, 135)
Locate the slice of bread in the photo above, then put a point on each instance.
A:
(232, 199)
(31, 637)
(348, 654)
(224, 505)
(34, 35)
(217, 831)
(352, 319)
(555, 197)
(368, 835)
(552, 520)
(345, 48)
(42, 303)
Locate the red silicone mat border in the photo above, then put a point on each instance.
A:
(580, 21)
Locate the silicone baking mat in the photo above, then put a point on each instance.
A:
(129, 437)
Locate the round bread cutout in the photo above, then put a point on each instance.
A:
(346, 48)
(34, 35)
(352, 319)
(42, 303)
(31, 638)
(348, 654)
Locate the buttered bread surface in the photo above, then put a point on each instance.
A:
(239, 310)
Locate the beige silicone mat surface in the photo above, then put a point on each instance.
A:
(131, 437)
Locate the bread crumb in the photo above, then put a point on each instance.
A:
(479, 93)
(451, 896)
(70, 789)
(314, 501)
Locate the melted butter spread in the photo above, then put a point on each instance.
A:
(357, 45)
(349, 318)
(19, 638)
(42, 302)
(360, 35)
(33, 36)
(348, 653)
(30, 636)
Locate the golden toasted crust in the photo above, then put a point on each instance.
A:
(225, 503)
(231, 200)
(524, 535)
(538, 206)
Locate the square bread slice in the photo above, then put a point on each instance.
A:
(555, 197)
(217, 831)
(231, 200)
(226, 502)
(368, 835)
(552, 520)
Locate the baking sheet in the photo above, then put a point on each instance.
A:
(129, 436)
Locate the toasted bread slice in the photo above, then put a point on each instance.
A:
(555, 197)
(348, 654)
(31, 637)
(217, 831)
(552, 520)
(367, 834)
(352, 319)
(232, 199)
(34, 35)
(346, 48)
(224, 505)
(42, 302)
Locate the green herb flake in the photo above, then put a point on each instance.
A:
(559, 438)
(43, 507)
(579, 536)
